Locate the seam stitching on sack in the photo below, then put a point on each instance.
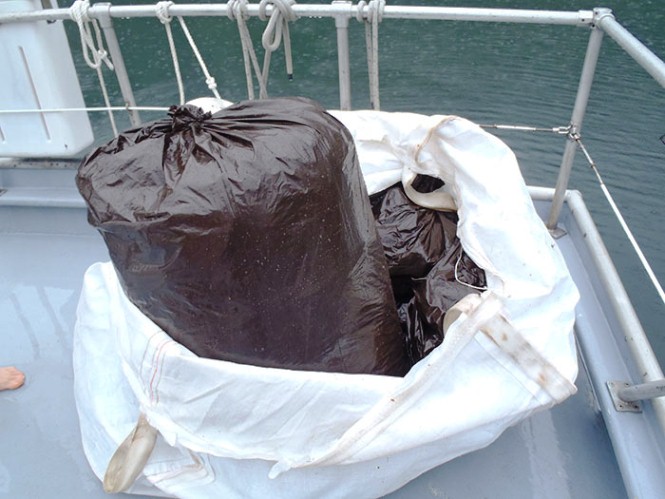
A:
(158, 361)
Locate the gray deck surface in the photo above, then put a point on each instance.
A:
(561, 453)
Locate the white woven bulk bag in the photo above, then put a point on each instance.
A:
(231, 430)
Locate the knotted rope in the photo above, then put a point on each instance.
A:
(93, 49)
(165, 19)
(237, 10)
(162, 12)
(276, 31)
(79, 14)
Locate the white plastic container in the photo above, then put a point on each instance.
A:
(38, 73)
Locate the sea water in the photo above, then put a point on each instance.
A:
(487, 72)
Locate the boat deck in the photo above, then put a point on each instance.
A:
(46, 245)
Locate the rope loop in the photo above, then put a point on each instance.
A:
(359, 11)
(162, 9)
(278, 27)
(281, 7)
(93, 50)
(79, 11)
(276, 31)
(92, 45)
(375, 11)
(237, 9)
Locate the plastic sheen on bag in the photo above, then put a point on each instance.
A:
(428, 269)
(248, 236)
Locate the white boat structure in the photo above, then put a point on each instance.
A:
(607, 440)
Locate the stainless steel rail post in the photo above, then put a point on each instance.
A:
(628, 398)
(643, 391)
(118, 61)
(342, 25)
(581, 100)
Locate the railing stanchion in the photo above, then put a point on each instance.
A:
(118, 61)
(342, 25)
(581, 100)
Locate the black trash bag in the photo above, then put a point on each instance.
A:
(423, 250)
(248, 236)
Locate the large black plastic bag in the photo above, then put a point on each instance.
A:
(423, 253)
(248, 236)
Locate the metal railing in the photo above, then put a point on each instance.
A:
(342, 11)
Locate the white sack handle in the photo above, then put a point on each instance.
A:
(441, 199)
(532, 363)
(130, 458)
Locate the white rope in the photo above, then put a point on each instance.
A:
(622, 221)
(94, 55)
(276, 31)
(107, 101)
(468, 285)
(165, 19)
(376, 15)
(210, 81)
(237, 10)
(375, 10)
